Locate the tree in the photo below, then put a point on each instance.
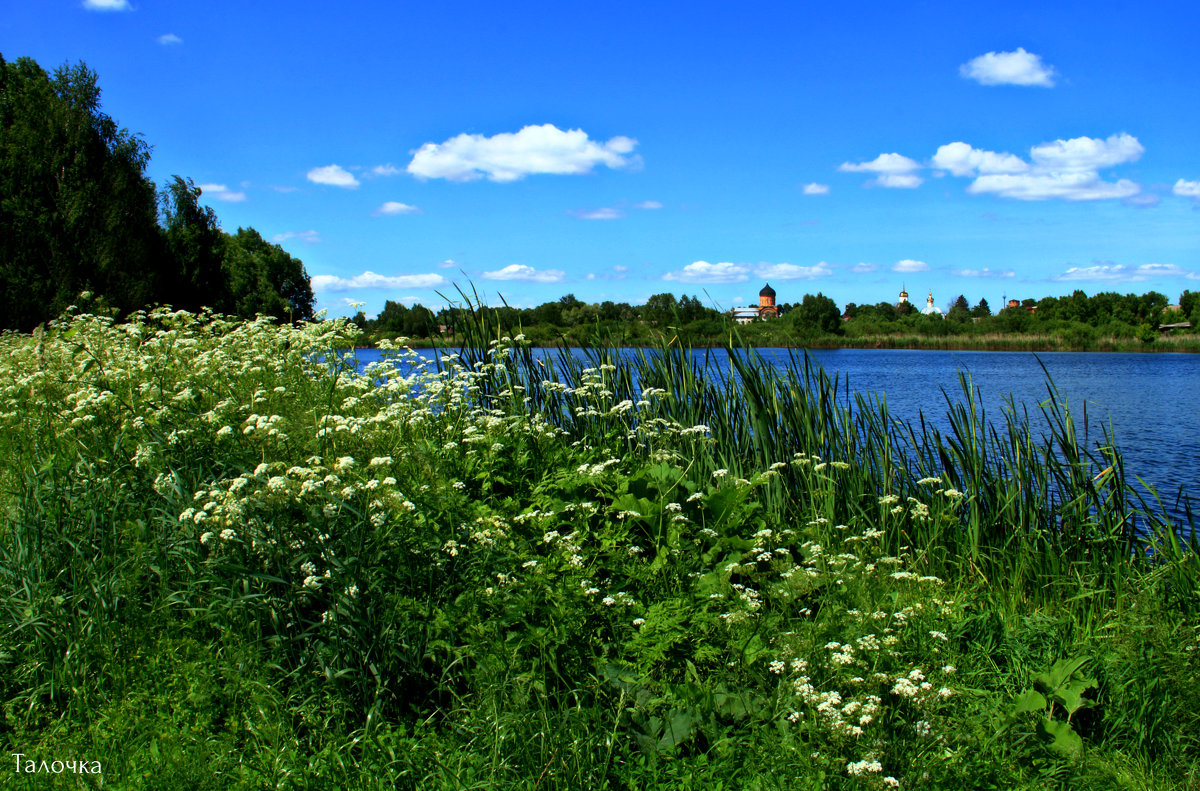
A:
(76, 209)
(196, 246)
(981, 311)
(817, 314)
(885, 311)
(263, 278)
(660, 309)
(960, 311)
(418, 323)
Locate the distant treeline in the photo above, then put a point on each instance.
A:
(1078, 320)
(78, 213)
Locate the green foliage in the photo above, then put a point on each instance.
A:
(231, 559)
(78, 214)
(197, 246)
(263, 278)
(76, 211)
(817, 314)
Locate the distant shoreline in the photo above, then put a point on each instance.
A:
(1188, 344)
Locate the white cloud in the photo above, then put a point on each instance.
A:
(1087, 153)
(168, 39)
(599, 214)
(1072, 186)
(392, 208)
(792, 272)
(1187, 189)
(369, 279)
(220, 192)
(334, 176)
(1064, 169)
(526, 273)
(816, 189)
(704, 272)
(909, 265)
(648, 204)
(899, 180)
(512, 156)
(1108, 271)
(1009, 68)
(449, 263)
(985, 272)
(963, 160)
(308, 237)
(107, 5)
(884, 163)
(619, 268)
(863, 267)
(386, 170)
(894, 170)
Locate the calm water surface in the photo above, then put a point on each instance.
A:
(1152, 401)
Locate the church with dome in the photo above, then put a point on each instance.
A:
(929, 310)
(765, 309)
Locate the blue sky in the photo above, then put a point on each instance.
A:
(620, 150)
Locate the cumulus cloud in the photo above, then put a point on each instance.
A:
(963, 160)
(1087, 153)
(1009, 68)
(308, 237)
(909, 265)
(526, 273)
(168, 39)
(648, 204)
(863, 267)
(334, 176)
(1042, 186)
(704, 272)
(386, 170)
(894, 170)
(1108, 271)
(511, 156)
(1187, 189)
(598, 214)
(220, 192)
(107, 5)
(449, 263)
(392, 208)
(985, 272)
(792, 272)
(1063, 169)
(371, 280)
(816, 189)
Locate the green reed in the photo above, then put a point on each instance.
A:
(1040, 503)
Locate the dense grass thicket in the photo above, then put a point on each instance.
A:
(228, 560)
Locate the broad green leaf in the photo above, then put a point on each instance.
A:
(678, 729)
(1029, 700)
(1061, 737)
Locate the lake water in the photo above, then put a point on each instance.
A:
(1152, 401)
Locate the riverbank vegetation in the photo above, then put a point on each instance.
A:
(1102, 322)
(228, 559)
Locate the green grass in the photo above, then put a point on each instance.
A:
(229, 561)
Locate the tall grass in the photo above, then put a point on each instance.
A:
(230, 559)
(1040, 503)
